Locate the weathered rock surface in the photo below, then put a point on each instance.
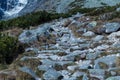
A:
(65, 56)
(111, 27)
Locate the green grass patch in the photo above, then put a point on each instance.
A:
(31, 19)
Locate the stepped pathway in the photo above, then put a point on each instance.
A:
(74, 49)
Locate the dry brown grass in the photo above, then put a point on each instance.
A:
(115, 20)
(74, 27)
(8, 75)
(13, 32)
(14, 67)
(118, 62)
(51, 39)
(31, 63)
(23, 76)
(103, 65)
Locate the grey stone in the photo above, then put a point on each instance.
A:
(44, 67)
(28, 33)
(78, 74)
(51, 75)
(111, 27)
(81, 30)
(31, 35)
(98, 73)
(98, 38)
(83, 56)
(92, 56)
(84, 45)
(118, 9)
(108, 60)
(96, 66)
(65, 73)
(113, 73)
(48, 62)
(72, 68)
(89, 34)
(85, 77)
(117, 45)
(102, 47)
(92, 25)
(84, 64)
(29, 71)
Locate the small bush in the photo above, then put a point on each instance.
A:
(9, 49)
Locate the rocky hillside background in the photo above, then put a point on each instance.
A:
(79, 42)
(22, 7)
(62, 6)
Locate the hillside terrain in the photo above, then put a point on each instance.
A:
(15, 8)
(60, 40)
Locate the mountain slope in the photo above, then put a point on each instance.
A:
(67, 46)
(22, 7)
(75, 48)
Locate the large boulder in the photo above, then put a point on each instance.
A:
(98, 38)
(92, 25)
(89, 34)
(99, 30)
(29, 36)
(111, 27)
(109, 61)
(51, 75)
(29, 71)
(98, 73)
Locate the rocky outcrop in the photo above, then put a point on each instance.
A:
(88, 55)
(75, 48)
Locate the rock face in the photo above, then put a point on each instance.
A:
(12, 7)
(61, 6)
(30, 6)
(3, 4)
(7, 5)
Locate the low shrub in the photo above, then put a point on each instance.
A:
(9, 49)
